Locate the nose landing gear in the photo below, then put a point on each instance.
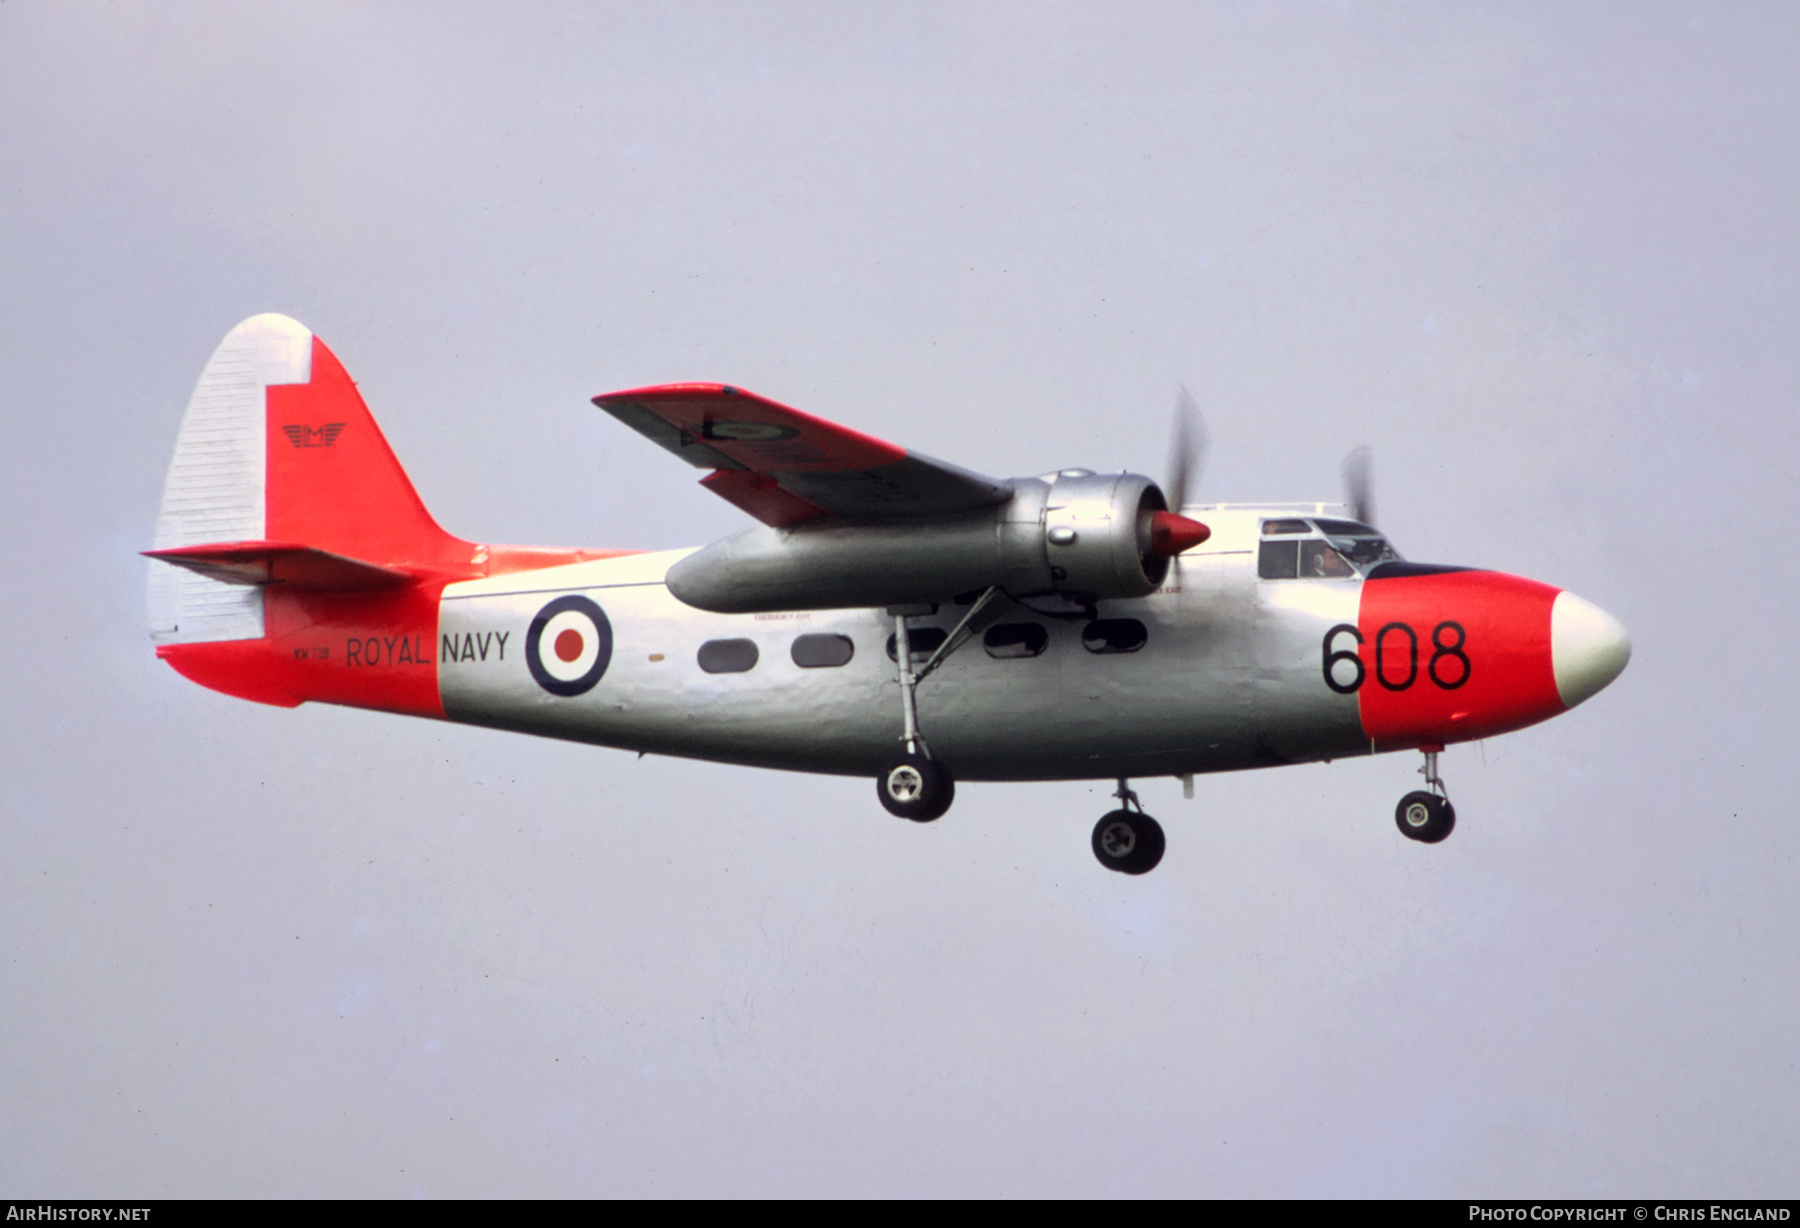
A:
(1127, 839)
(1426, 815)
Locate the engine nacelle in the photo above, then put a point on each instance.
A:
(1080, 535)
(1098, 535)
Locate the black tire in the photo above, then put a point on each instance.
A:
(1425, 817)
(914, 787)
(1128, 842)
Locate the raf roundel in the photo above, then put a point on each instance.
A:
(569, 646)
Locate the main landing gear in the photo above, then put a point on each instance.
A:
(913, 785)
(1127, 839)
(1426, 815)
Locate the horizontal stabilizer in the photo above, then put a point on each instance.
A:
(258, 562)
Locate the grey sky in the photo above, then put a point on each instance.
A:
(1541, 258)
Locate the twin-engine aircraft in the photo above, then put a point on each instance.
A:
(890, 616)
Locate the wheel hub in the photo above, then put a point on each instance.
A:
(904, 783)
(1118, 839)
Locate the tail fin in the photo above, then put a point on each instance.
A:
(280, 467)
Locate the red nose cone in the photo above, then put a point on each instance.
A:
(1171, 534)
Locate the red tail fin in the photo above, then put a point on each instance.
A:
(335, 485)
(295, 559)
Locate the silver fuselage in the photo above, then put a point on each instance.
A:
(1228, 676)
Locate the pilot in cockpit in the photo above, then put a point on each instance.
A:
(1318, 559)
(1346, 550)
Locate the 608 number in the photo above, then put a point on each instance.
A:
(1397, 657)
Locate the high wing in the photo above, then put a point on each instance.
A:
(785, 467)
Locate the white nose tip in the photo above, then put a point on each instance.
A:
(1588, 647)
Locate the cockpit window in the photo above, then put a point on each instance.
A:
(1319, 560)
(1349, 549)
(1278, 560)
(1365, 552)
(1357, 542)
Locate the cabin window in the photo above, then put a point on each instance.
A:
(1275, 528)
(924, 642)
(1278, 560)
(1114, 635)
(823, 651)
(1007, 640)
(1319, 561)
(728, 656)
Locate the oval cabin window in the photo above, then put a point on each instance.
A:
(1007, 640)
(823, 651)
(727, 656)
(924, 642)
(1114, 635)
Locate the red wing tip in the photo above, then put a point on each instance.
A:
(666, 392)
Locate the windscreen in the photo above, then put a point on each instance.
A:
(1358, 542)
(1349, 549)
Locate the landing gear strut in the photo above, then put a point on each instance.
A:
(1426, 815)
(913, 785)
(1127, 839)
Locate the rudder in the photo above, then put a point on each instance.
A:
(293, 559)
(277, 449)
(334, 484)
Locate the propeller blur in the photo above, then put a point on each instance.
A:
(1359, 485)
(1187, 450)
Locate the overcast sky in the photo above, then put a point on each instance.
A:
(1541, 258)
